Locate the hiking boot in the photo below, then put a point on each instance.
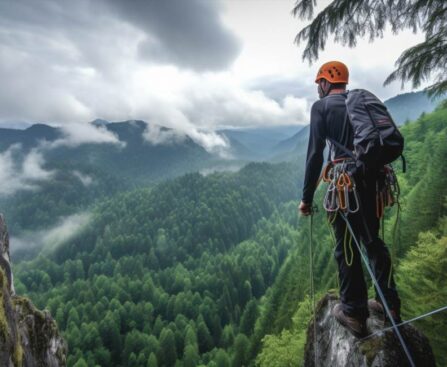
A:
(355, 326)
(376, 307)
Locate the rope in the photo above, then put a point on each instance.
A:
(329, 223)
(330, 220)
(394, 248)
(378, 332)
(312, 286)
(380, 293)
(345, 242)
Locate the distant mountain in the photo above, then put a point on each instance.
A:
(81, 175)
(28, 138)
(260, 142)
(139, 160)
(409, 106)
(293, 147)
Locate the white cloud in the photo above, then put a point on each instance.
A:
(207, 101)
(52, 237)
(86, 180)
(198, 104)
(221, 168)
(156, 135)
(18, 173)
(85, 133)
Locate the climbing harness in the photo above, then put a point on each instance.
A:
(341, 194)
(380, 293)
(312, 285)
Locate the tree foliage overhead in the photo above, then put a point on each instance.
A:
(347, 20)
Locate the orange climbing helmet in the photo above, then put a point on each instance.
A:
(333, 72)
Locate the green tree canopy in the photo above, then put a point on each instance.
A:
(347, 20)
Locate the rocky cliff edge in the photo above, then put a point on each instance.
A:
(28, 337)
(336, 347)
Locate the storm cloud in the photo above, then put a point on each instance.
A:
(185, 33)
(167, 62)
(65, 60)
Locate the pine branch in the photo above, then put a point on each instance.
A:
(347, 20)
(419, 62)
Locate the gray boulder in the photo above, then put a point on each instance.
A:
(337, 347)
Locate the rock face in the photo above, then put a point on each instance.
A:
(28, 337)
(336, 347)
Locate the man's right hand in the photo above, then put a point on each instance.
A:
(305, 209)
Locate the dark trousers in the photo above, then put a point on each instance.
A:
(365, 224)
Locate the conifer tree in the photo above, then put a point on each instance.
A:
(168, 352)
(249, 317)
(347, 20)
(241, 347)
(222, 359)
(421, 279)
(190, 356)
(152, 361)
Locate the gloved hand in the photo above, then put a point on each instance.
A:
(305, 209)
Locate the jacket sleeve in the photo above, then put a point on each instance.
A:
(315, 149)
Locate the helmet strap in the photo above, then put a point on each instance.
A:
(321, 91)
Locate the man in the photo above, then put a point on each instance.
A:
(328, 121)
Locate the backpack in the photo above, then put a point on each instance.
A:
(377, 140)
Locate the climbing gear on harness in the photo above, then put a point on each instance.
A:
(387, 190)
(388, 195)
(342, 192)
(380, 293)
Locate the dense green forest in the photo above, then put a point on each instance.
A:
(213, 270)
(170, 273)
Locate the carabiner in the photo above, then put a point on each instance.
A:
(356, 199)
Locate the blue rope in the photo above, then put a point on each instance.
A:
(379, 291)
(406, 322)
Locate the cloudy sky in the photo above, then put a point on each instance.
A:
(194, 65)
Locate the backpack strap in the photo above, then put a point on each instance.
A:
(343, 132)
(404, 163)
(342, 147)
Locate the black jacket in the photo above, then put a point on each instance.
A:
(327, 120)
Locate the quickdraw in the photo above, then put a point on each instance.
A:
(341, 193)
(387, 190)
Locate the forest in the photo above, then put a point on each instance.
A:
(170, 272)
(213, 270)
